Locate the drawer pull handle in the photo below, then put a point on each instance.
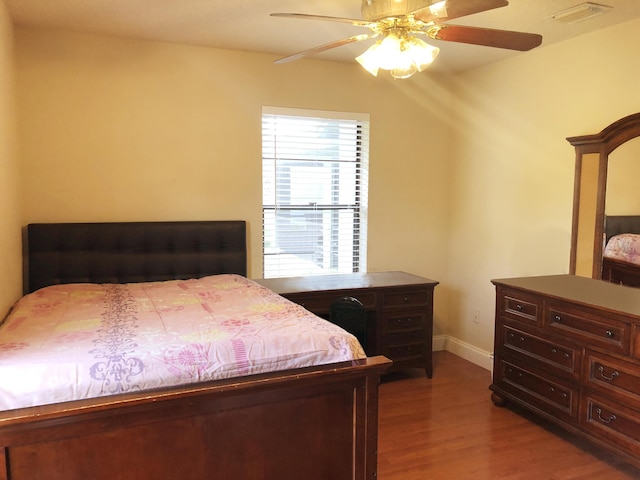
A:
(557, 318)
(406, 300)
(555, 350)
(609, 334)
(611, 418)
(518, 306)
(613, 375)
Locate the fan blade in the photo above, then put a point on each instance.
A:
(327, 46)
(487, 37)
(352, 21)
(449, 9)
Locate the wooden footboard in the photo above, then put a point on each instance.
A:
(622, 273)
(315, 423)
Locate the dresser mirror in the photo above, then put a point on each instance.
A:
(623, 191)
(595, 196)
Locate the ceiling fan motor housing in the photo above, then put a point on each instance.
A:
(373, 10)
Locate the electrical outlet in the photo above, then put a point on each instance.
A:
(476, 316)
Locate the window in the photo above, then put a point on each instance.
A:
(314, 192)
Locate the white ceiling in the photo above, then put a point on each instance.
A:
(246, 24)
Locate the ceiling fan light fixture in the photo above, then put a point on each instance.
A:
(404, 71)
(404, 66)
(389, 51)
(369, 60)
(401, 55)
(422, 53)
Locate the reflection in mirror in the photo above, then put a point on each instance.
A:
(623, 173)
(621, 256)
(591, 189)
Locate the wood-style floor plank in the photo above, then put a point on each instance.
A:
(448, 428)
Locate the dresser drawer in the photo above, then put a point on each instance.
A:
(519, 306)
(537, 391)
(591, 328)
(617, 423)
(561, 359)
(613, 376)
(404, 322)
(406, 298)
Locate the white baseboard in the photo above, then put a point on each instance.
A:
(473, 354)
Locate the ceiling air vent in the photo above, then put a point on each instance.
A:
(581, 12)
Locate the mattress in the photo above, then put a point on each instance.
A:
(77, 341)
(624, 247)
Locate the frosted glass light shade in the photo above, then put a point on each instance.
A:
(369, 60)
(389, 51)
(404, 65)
(402, 56)
(422, 53)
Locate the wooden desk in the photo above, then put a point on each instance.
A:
(399, 310)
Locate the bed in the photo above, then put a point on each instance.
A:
(312, 421)
(621, 257)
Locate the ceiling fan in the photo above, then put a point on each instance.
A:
(399, 22)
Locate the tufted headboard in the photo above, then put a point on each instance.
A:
(617, 224)
(129, 252)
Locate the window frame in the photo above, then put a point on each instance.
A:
(359, 190)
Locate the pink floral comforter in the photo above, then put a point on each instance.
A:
(624, 247)
(70, 342)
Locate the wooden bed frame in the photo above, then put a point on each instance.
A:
(312, 423)
(616, 271)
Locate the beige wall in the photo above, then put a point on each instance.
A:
(10, 237)
(118, 130)
(513, 177)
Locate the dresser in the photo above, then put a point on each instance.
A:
(568, 349)
(398, 305)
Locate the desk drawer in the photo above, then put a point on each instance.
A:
(404, 322)
(405, 353)
(407, 298)
(320, 303)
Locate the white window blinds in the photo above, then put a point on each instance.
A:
(314, 192)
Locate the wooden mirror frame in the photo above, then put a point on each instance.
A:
(589, 194)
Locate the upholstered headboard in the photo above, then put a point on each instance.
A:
(617, 224)
(129, 252)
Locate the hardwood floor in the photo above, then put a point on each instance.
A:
(448, 428)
